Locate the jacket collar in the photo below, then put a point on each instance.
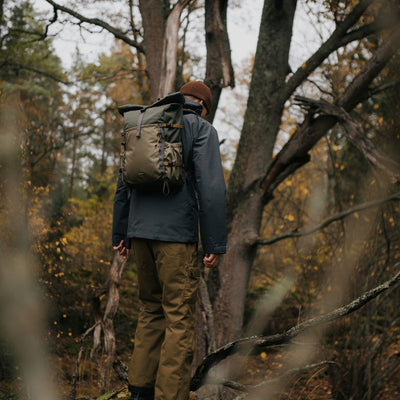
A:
(193, 106)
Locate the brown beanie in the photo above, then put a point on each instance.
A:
(200, 90)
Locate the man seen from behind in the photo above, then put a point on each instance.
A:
(163, 233)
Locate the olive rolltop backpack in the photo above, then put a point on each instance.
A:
(151, 147)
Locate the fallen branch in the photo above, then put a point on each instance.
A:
(265, 341)
(105, 324)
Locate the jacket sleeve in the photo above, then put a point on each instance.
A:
(210, 187)
(121, 214)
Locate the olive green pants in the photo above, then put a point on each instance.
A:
(168, 276)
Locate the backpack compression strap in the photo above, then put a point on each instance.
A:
(165, 125)
(139, 124)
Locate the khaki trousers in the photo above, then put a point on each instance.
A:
(168, 276)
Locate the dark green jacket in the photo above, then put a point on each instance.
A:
(201, 201)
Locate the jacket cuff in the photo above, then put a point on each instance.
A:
(116, 240)
(214, 249)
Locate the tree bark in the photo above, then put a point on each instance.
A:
(154, 15)
(170, 49)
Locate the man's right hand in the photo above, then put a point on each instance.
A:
(211, 260)
(123, 251)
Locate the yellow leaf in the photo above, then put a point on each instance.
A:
(290, 217)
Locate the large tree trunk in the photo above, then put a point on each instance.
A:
(254, 175)
(245, 199)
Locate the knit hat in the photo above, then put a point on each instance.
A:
(199, 90)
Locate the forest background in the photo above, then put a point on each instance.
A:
(310, 143)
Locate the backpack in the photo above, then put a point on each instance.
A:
(151, 146)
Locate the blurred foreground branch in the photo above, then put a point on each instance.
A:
(22, 309)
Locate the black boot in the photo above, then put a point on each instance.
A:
(141, 393)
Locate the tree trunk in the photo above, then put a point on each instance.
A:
(268, 93)
(154, 15)
(245, 199)
(161, 26)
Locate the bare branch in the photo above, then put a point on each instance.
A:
(334, 42)
(19, 66)
(295, 152)
(328, 221)
(281, 338)
(360, 84)
(98, 22)
(385, 86)
(387, 18)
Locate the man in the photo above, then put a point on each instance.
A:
(163, 231)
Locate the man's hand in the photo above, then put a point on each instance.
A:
(123, 251)
(211, 260)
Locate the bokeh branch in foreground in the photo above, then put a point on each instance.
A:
(22, 316)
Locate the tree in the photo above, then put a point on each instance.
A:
(256, 174)
(160, 41)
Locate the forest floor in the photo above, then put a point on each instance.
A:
(313, 385)
(249, 371)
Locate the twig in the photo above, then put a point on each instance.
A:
(328, 221)
(98, 22)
